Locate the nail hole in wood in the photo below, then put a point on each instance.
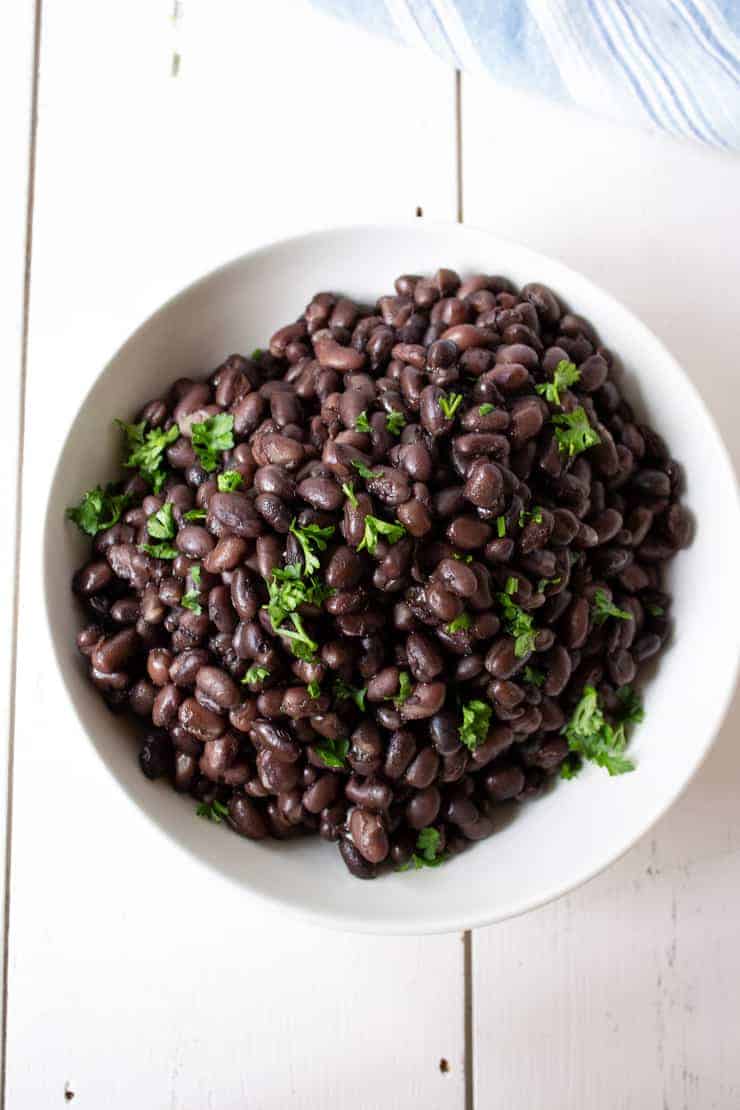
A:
(444, 1066)
(419, 211)
(68, 1093)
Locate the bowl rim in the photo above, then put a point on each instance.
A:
(352, 921)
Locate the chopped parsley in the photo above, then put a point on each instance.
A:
(161, 525)
(485, 408)
(145, 450)
(333, 753)
(365, 471)
(229, 481)
(256, 673)
(374, 528)
(655, 610)
(348, 489)
(566, 374)
(462, 558)
(160, 550)
(535, 516)
(426, 852)
(501, 526)
(345, 692)
(476, 720)
(574, 433)
(394, 422)
(534, 676)
(404, 689)
(191, 600)
(302, 646)
(310, 536)
(518, 624)
(362, 424)
(603, 608)
(214, 811)
(590, 736)
(99, 509)
(287, 589)
(195, 514)
(256, 354)
(450, 405)
(545, 582)
(211, 437)
(313, 689)
(460, 623)
(630, 706)
(512, 585)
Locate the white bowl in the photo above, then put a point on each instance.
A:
(552, 844)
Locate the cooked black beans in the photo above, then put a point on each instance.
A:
(409, 453)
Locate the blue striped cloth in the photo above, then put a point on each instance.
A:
(672, 65)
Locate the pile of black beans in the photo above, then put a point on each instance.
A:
(351, 727)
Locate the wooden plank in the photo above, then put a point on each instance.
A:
(16, 94)
(621, 994)
(133, 979)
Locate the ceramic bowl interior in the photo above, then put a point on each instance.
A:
(541, 849)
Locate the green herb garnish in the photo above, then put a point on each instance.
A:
(476, 720)
(374, 528)
(160, 550)
(191, 600)
(426, 853)
(344, 692)
(229, 481)
(256, 354)
(256, 673)
(214, 811)
(348, 489)
(287, 590)
(485, 408)
(518, 624)
(566, 374)
(98, 510)
(365, 471)
(195, 514)
(459, 623)
(603, 608)
(211, 437)
(310, 536)
(462, 558)
(362, 424)
(313, 689)
(161, 525)
(630, 706)
(533, 675)
(450, 405)
(145, 450)
(512, 585)
(544, 582)
(590, 736)
(535, 516)
(333, 753)
(302, 646)
(394, 422)
(655, 610)
(574, 433)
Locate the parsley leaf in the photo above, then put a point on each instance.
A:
(229, 481)
(512, 585)
(343, 692)
(485, 408)
(544, 582)
(99, 509)
(348, 489)
(535, 516)
(302, 646)
(459, 623)
(534, 676)
(394, 422)
(310, 536)
(160, 550)
(566, 374)
(603, 608)
(191, 600)
(313, 688)
(362, 424)
(574, 433)
(145, 451)
(655, 610)
(590, 736)
(256, 673)
(211, 437)
(404, 689)
(462, 558)
(214, 811)
(501, 526)
(287, 590)
(333, 753)
(195, 514)
(374, 528)
(161, 525)
(630, 706)
(517, 623)
(426, 853)
(450, 405)
(476, 720)
(256, 354)
(363, 470)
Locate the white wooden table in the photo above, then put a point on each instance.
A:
(164, 146)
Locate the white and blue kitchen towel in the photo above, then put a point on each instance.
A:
(667, 64)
